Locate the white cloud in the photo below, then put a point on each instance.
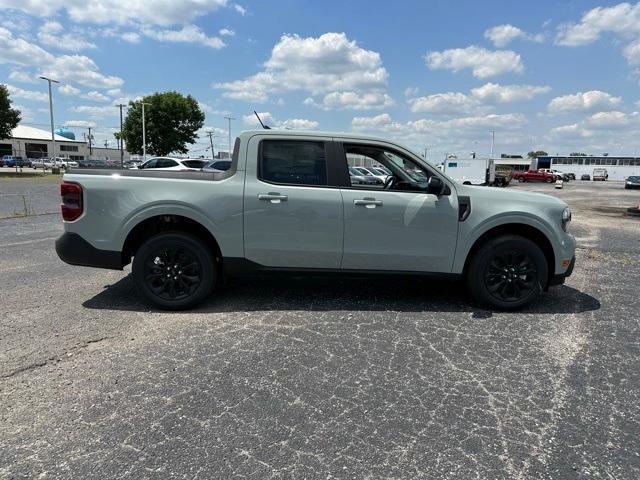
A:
(187, 34)
(594, 100)
(495, 93)
(411, 91)
(299, 124)
(81, 70)
(95, 96)
(483, 63)
(130, 37)
(632, 53)
(443, 103)
(240, 9)
(252, 121)
(501, 35)
(22, 76)
(622, 19)
(352, 100)
(317, 65)
(226, 32)
(453, 103)
(268, 119)
(458, 126)
(65, 68)
(52, 35)
(18, 92)
(17, 51)
(96, 112)
(123, 12)
(604, 126)
(68, 90)
(80, 123)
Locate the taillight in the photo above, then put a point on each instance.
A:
(71, 206)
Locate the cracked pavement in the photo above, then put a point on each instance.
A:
(322, 378)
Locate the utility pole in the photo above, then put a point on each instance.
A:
(211, 140)
(53, 135)
(493, 139)
(229, 118)
(426, 150)
(106, 144)
(120, 105)
(144, 135)
(90, 147)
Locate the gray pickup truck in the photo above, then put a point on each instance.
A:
(287, 204)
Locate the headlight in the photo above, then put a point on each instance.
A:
(566, 218)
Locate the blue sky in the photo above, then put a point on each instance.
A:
(555, 75)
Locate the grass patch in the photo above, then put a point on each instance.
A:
(38, 177)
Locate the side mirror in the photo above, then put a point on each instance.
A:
(435, 185)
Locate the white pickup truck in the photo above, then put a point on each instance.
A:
(287, 203)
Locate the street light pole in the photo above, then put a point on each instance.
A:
(493, 139)
(53, 135)
(229, 118)
(144, 135)
(120, 105)
(211, 140)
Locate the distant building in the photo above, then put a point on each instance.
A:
(618, 168)
(221, 155)
(30, 142)
(515, 162)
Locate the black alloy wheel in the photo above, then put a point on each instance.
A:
(510, 276)
(174, 270)
(507, 272)
(172, 273)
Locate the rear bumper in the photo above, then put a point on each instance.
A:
(75, 250)
(559, 279)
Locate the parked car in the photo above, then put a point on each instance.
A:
(217, 166)
(369, 172)
(167, 163)
(585, 176)
(632, 182)
(534, 176)
(565, 177)
(358, 179)
(13, 161)
(284, 205)
(600, 174)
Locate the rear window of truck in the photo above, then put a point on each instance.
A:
(293, 162)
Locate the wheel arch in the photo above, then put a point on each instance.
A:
(165, 223)
(521, 229)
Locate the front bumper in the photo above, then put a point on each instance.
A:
(559, 278)
(75, 250)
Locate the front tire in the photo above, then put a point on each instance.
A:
(507, 273)
(174, 270)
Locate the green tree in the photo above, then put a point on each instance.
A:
(171, 121)
(537, 153)
(9, 117)
(577, 154)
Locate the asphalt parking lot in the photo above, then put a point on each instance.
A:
(320, 378)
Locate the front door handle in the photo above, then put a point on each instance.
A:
(272, 197)
(368, 202)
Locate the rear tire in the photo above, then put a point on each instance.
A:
(521, 179)
(507, 273)
(174, 270)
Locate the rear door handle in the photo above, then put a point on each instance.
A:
(368, 202)
(272, 197)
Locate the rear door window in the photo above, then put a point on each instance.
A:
(293, 162)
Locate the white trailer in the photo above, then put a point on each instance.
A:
(471, 171)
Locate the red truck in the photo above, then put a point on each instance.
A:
(534, 176)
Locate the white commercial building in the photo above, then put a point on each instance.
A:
(31, 142)
(618, 168)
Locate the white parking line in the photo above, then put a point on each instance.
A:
(27, 242)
